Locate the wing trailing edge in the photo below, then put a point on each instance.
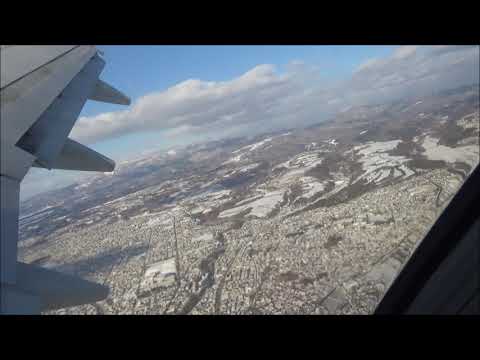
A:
(107, 93)
(45, 289)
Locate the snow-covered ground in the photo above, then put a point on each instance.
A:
(243, 169)
(261, 207)
(311, 186)
(473, 121)
(233, 159)
(377, 163)
(297, 167)
(305, 160)
(466, 154)
(253, 147)
(204, 202)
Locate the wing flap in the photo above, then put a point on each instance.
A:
(75, 156)
(57, 290)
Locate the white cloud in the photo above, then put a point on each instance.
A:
(369, 63)
(404, 51)
(192, 103)
(412, 71)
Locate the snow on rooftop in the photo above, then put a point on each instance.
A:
(160, 274)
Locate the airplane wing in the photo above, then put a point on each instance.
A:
(42, 92)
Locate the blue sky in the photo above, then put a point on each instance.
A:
(139, 70)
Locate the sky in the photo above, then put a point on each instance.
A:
(186, 94)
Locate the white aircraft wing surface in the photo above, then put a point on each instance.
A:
(42, 92)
